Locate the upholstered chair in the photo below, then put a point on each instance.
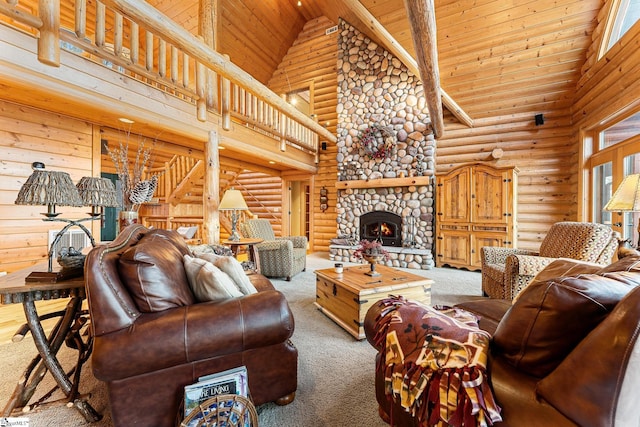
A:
(278, 256)
(506, 271)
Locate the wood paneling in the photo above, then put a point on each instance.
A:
(61, 143)
(311, 62)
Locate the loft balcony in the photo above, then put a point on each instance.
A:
(100, 61)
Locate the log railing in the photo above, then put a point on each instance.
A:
(135, 39)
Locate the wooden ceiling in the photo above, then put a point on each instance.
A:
(490, 51)
(494, 55)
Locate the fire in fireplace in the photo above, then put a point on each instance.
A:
(381, 225)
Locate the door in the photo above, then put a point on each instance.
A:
(299, 199)
(453, 196)
(108, 227)
(489, 197)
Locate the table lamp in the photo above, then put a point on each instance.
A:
(97, 193)
(234, 202)
(627, 197)
(51, 189)
(48, 188)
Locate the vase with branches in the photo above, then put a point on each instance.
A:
(135, 190)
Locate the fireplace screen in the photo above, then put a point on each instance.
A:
(383, 226)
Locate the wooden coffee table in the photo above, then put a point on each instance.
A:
(346, 297)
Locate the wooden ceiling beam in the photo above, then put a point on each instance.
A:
(422, 21)
(401, 53)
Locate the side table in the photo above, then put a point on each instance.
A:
(250, 243)
(14, 290)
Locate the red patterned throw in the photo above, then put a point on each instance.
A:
(435, 364)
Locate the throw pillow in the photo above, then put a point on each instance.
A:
(209, 283)
(153, 272)
(209, 256)
(551, 317)
(562, 267)
(234, 269)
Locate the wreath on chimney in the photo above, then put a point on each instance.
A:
(377, 141)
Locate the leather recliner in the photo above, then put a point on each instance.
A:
(565, 353)
(148, 347)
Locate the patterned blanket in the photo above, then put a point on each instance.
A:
(435, 364)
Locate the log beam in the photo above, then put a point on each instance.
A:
(394, 47)
(422, 20)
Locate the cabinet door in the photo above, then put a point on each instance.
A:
(489, 196)
(454, 248)
(478, 240)
(453, 196)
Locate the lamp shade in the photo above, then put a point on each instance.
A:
(627, 196)
(232, 200)
(48, 188)
(97, 191)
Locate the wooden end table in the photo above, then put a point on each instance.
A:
(346, 297)
(14, 290)
(253, 254)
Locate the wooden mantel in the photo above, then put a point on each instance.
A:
(384, 182)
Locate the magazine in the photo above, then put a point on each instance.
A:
(232, 381)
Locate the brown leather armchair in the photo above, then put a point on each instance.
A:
(149, 345)
(566, 352)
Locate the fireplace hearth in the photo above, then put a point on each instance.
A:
(383, 226)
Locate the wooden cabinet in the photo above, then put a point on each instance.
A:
(475, 207)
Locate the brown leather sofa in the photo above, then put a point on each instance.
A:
(149, 345)
(565, 353)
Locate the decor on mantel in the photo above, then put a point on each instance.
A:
(377, 141)
(134, 189)
(372, 252)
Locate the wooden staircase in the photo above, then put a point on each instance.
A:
(178, 199)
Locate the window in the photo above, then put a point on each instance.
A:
(625, 13)
(616, 154)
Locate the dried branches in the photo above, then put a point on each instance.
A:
(129, 174)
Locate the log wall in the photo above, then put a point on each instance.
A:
(62, 144)
(311, 61)
(263, 194)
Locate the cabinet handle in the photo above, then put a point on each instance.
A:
(439, 237)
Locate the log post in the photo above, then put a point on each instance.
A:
(211, 196)
(225, 100)
(208, 28)
(48, 42)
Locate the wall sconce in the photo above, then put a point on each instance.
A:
(324, 199)
(234, 202)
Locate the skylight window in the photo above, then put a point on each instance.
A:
(626, 14)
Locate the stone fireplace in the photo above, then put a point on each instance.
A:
(393, 174)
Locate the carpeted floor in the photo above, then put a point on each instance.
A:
(335, 371)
